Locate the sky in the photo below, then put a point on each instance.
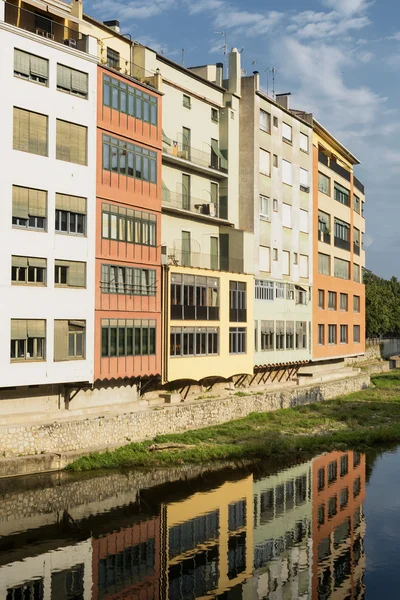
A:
(340, 59)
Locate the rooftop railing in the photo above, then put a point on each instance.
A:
(125, 67)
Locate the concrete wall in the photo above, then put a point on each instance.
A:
(86, 434)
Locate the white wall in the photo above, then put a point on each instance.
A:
(46, 173)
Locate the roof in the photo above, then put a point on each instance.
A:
(335, 143)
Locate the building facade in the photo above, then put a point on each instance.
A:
(276, 208)
(47, 227)
(339, 257)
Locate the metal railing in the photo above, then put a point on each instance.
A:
(125, 67)
(202, 158)
(339, 170)
(181, 258)
(323, 158)
(37, 22)
(356, 249)
(198, 206)
(358, 185)
(343, 244)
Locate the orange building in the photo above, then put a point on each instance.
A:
(128, 219)
(338, 525)
(339, 258)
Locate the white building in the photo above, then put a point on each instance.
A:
(48, 187)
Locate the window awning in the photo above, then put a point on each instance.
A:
(303, 289)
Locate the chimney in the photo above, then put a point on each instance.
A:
(114, 25)
(77, 9)
(283, 100)
(220, 74)
(256, 81)
(235, 74)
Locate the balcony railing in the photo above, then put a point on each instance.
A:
(339, 170)
(324, 236)
(37, 22)
(203, 158)
(358, 185)
(356, 249)
(323, 158)
(343, 244)
(125, 67)
(194, 205)
(199, 260)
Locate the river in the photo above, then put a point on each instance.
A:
(321, 529)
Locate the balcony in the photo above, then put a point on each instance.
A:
(210, 159)
(324, 236)
(323, 158)
(333, 165)
(358, 185)
(343, 244)
(176, 257)
(45, 27)
(196, 206)
(125, 67)
(356, 248)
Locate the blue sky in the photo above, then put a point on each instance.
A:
(340, 59)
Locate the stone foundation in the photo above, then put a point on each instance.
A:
(85, 434)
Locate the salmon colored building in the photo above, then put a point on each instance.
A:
(338, 528)
(128, 220)
(339, 257)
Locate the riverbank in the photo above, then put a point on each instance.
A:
(358, 421)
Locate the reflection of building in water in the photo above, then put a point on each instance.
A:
(209, 541)
(61, 574)
(338, 526)
(126, 563)
(282, 536)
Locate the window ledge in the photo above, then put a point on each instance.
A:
(27, 360)
(287, 141)
(265, 218)
(265, 130)
(304, 151)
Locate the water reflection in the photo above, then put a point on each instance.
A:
(295, 534)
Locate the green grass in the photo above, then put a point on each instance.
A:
(360, 421)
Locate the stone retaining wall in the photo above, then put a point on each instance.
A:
(83, 435)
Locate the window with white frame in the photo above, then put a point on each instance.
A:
(286, 215)
(286, 132)
(303, 142)
(286, 262)
(267, 335)
(264, 207)
(265, 162)
(265, 258)
(265, 121)
(304, 180)
(287, 172)
(304, 220)
(70, 214)
(264, 290)
(31, 67)
(279, 290)
(28, 339)
(72, 81)
(304, 265)
(280, 335)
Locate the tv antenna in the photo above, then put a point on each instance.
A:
(271, 70)
(225, 46)
(183, 57)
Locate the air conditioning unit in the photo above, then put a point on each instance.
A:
(208, 209)
(70, 42)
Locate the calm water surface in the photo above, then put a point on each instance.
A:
(326, 528)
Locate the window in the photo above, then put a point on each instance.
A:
(30, 132)
(301, 335)
(356, 241)
(341, 268)
(303, 142)
(280, 335)
(31, 67)
(275, 121)
(356, 459)
(69, 340)
(356, 204)
(304, 180)
(127, 159)
(303, 266)
(237, 340)
(71, 141)
(331, 300)
(275, 254)
(130, 337)
(70, 214)
(286, 215)
(264, 290)
(214, 115)
(356, 304)
(194, 341)
(344, 465)
(341, 194)
(275, 205)
(295, 258)
(321, 479)
(29, 208)
(129, 100)
(68, 273)
(265, 121)
(332, 507)
(344, 336)
(28, 339)
(287, 172)
(237, 301)
(267, 335)
(264, 258)
(357, 487)
(194, 297)
(321, 335)
(321, 299)
(344, 302)
(186, 101)
(290, 291)
(72, 81)
(289, 335)
(286, 132)
(264, 207)
(332, 472)
(342, 234)
(324, 264)
(324, 184)
(265, 162)
(356, 273)
(331, 334)
(28, 270)
(127, 225)
(304, 220)
(356, 334)
(285, 262)
(116, 279)
(112, 58)
(279, 290)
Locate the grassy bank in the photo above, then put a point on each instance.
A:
(358, 421)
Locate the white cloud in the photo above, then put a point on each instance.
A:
(138, 9)
(347, 7)
(247, 23)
